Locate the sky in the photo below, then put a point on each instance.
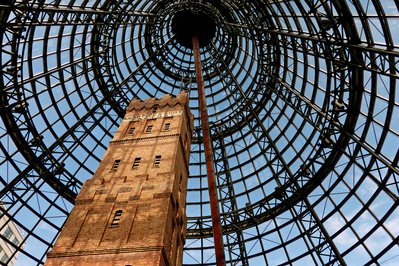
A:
(301, 73)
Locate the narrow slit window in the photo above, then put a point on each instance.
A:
(148, 129)
(131, 131)
(136, 163)
(116, 164)
(166, 127)
(117, 218)
(157, 161)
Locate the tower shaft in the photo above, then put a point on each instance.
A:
(132, 211)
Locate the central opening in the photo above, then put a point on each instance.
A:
(187, 23)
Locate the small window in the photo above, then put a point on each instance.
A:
(154, 109)
(136, 162)
(117, 218)
(157, 161)
(15, 241)
(131, 131)
(5, 258)
(148, 129)
(116, 165)
(8, 233)
(166, 127)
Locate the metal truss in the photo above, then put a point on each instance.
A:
(302, 101)
(235, 240)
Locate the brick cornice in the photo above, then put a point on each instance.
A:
(103, 251)
(130, 140)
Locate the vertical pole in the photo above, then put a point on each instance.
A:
(216, 225)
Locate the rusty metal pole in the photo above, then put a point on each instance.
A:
(213, 198)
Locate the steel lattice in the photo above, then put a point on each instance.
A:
(302, 99)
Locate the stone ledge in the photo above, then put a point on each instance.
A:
(113, 142)
(103, 251)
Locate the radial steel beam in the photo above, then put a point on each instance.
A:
(234, 240)
(215, 213)
(328, 250)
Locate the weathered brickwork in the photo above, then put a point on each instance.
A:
(132, 211)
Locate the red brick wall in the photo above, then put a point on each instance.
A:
(151, 229)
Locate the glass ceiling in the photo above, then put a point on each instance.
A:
(303, 105)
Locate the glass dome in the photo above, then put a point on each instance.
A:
(301, 99)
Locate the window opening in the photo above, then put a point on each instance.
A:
(116, 165)
(154, 109)
(15, 241)
(5, 258)
(117, 218)
(166, 127)
(8, 233)
(157, 161)
(131, 131)
(136, 162)
(149, 129)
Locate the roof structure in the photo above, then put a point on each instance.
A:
(302, 101)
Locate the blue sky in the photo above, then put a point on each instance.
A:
(299, 71)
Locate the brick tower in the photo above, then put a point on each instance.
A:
(132, 212)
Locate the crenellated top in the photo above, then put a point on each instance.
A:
(166, 100)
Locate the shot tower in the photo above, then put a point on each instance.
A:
(132, 212)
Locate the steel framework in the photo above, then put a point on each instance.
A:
(301, 98)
